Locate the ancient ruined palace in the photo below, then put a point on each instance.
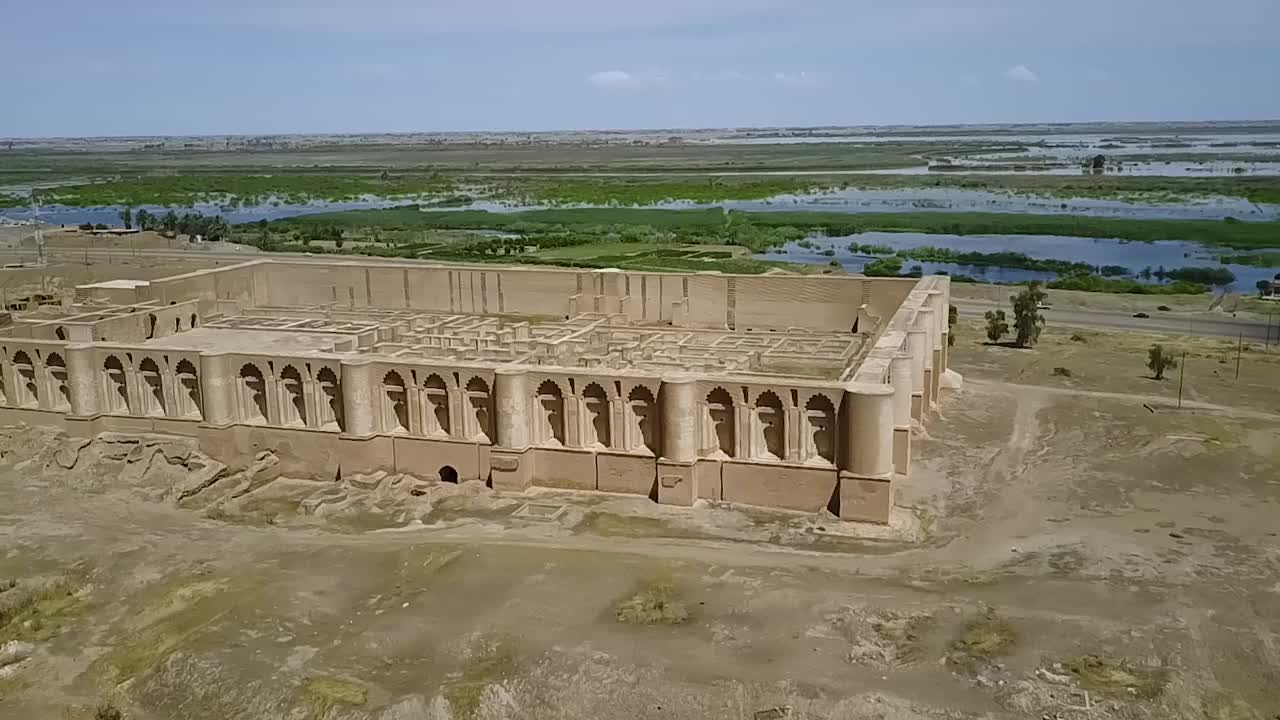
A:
(777, 390)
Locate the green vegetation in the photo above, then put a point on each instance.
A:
(287, 187)
(1208, 232)
(982, 640)
(171, 617)
(493, 661)
(654, 604)
(1094, 283)
(646, 191)
(1262, 259)
(884, 267)
(1027, 320)
(997, 325)
(322, 694)
(41, 613)
(870, 249)
(1159, 360)
(996, 259)
(767, 229)
(1110, 677)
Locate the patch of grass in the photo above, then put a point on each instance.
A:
(983, 639)
(42, 614)
(760, 230)
(170, 617)
(1116, 677)
(107, 711)
(492, 661)
(321, 694)
(654, 604)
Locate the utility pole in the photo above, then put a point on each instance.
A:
(1182, 374)
(1239, 350)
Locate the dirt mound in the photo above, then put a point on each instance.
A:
(174, 470)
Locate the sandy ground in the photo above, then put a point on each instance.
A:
(1066, 548)
(1208, 305)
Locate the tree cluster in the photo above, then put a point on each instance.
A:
(1027, 320)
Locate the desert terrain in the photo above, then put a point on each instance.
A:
(1070, 545)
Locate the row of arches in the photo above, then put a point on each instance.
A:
(595, 418)
(35, 383)
(434, 407)
(151, 390)
(289, 398)
(763, 430)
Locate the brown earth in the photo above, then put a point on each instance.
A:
(1068, 547)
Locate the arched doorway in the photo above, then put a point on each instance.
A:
(449, 474)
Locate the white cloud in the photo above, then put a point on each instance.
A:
(718, 76)
(623, 80)
(800, 79)
(1022, 73)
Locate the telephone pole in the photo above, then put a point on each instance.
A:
(1182, 374)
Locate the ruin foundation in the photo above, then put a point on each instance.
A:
(794, 392)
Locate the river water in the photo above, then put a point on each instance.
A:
(848, 200)
(1134, 255)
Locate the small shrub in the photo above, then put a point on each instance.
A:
(1062, 372)
(655, 604)
(1163, 308)
(981, 640)
(1077, 337)
(107, 711)
(1111, 677)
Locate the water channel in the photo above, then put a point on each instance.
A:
(1134, 255)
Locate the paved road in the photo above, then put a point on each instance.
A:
(1203, 324)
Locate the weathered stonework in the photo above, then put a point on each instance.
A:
(786, 391)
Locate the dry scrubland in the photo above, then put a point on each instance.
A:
(1066, 542)
(1061, 546)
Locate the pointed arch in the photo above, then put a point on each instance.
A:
(253, 394)
(395, 403)
(549, 413)
(642, 412)
(721, 422)
(769, 427)
(117, 385)
(435, 406)
(479, 413)
(188, 390)
(26, 388)
(330, 409)
(60, 393)
(293, 411)
(153, 402)
(597, 426)
(820, 431)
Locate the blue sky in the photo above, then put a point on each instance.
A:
(119, 67)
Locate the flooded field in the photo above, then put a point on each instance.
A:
(850, 200)
(1136, 256)
(110, 214)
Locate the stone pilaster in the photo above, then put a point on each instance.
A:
(866, 472)
(218, 389)
(358, 406)
(679, 406)
(900, 369)
(511, 408)
(82, 380)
